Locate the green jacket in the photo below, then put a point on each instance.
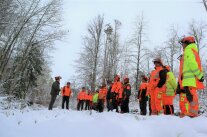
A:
(95, 98)
(171, 84)
(55, 88)
(190, 69)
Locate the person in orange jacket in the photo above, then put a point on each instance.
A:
(190, 77)
(81, 98)
(66, 93)
(157, 86)
(142, 96)
(115, 92)
(90, 100)
(87, 100)
(102, 97)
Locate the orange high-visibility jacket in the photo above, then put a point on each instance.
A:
(90, 97)
(82, 95)
(154, 79)
(117, 87)
(66, 91)
(142, 87)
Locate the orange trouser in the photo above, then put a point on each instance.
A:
(189, 108)
(157, 101)
(152, 102)
(167, 100)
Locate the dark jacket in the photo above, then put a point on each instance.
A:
(163, 78)
(108, 95)
(127, 90)
(55, 88)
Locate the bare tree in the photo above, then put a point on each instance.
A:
(198, 30)
(205, 4)
(172, 47)
(111, 51)
(137, 41)
(90, 57)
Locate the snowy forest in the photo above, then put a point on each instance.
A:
(28, 32)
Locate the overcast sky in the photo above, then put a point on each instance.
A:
(160, 15)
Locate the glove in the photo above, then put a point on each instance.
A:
(201, 80)
(189, 96)
(178, 89)
(147, 98)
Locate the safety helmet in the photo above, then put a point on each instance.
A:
(167, 67)
(157, 60)
(145, 78)
(187, 40)
(126, 78)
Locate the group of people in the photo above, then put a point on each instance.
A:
(159, 88)
(162, 87)
(114, 96)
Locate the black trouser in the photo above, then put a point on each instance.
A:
(125, 105)
(87, 105)
(114, 101)
(94, 106)
(80, 104)
(108, 103)
(100, 105)
(52, 101)
(168, 109)
(143, 107)
(65, 100)
(150, 110)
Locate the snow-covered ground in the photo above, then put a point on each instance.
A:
(63, 123)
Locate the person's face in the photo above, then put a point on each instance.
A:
(184, 45)
(157, 64)
(68, 85)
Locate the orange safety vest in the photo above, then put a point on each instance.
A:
(82, 95)
(142, 87)
(154, 78)
(66, 91)
(117, 87)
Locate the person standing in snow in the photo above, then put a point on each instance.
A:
(108, 96)
(169, 93)
(54, 91)
(101, 97)
(142, 96)
(87, 100)
(191, 77)
(157, 87)
(81, 98)
(115, 92)
(95, 99)
(66, 93)
(125, 96)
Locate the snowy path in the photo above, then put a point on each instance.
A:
(60, 123)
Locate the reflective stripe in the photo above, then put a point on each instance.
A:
(187, 77)
(193, 111)
(187, 107)
(183, 95)
(193, 103)
(190, 71)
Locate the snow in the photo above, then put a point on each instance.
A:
(31, 122)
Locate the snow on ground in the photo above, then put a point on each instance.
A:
(59, 123)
